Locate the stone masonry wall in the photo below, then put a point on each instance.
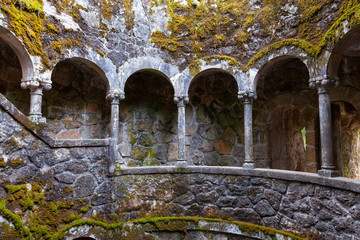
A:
(294, 202)
(310, 209)
(76, 107)
(66, 173)
(214, 121)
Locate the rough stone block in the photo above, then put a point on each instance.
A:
(207, 146)
(69, 134)
(264, 209)
(223, 147)
(84, 186)
(70, 123)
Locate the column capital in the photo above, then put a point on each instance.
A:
(115, 95)
(181, 100)
(323, 83)
(35, 82)
(247, 96)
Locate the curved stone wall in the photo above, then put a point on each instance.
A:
(290, 201)
(73, 179)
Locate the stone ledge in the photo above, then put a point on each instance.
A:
(312, 178)
(40, 130)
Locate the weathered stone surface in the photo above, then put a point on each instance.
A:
(66, 178)
(305, 220)
(207, 146)
(197, 157)
(84, 186)
(264, 209)
(70, 123)
(207, 197)
(355, 212)
(100, 199)
(57, 156)
(211, 159)
(210, 211)
(222, 147)
(146, 139)
(247, 215)
(185, 199)
(125, 149)
(69, 134)
(229, 136)
(173, 151)
(211, 133)
(77, 166)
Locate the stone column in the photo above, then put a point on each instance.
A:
(323, 84)
(114, 96)
(36, 86)
(181, 101)
(247, 98)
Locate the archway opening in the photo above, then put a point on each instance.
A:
(347, 98)
(10, 78)
(148, 121)
(76, 106)
(214, 120)
(285, 134)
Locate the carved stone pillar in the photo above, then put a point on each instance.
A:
(323, 84)
(248, 98)
(36, 86)
(181, 101)
(114, 96)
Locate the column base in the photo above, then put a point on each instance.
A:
(181, 163)
(37, 119)
(249, 165)
(328, 173)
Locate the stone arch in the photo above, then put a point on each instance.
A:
(285, 107)
(76, 106)
(214, 120)
(275, 55)
(100, 63)
(345, 46)
(95, 67)
(344, 63)
(26, 63)
(15, 67)
(221, 65)
(274, 61)
(148, 122)
(151, 71)
(154, 64)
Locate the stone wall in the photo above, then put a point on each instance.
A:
(148, 121)
(214, 121)
(75, 180)
(76, 107)
(301, 203)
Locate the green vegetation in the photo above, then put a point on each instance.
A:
(197, 28)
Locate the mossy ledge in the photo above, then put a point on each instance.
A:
(179, 224)
(330, 37)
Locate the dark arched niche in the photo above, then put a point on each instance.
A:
(148, 120)
(287, 138)
(345, 63)
(76, 107)
(214, 120)
(10, 78)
